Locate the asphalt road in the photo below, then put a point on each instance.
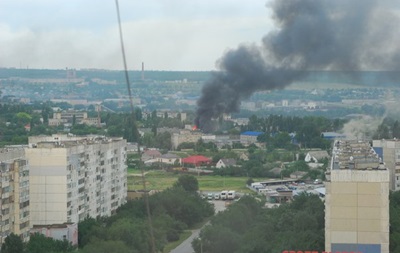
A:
(186, 246)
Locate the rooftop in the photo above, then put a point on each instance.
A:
(357, 155)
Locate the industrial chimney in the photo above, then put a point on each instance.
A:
(142, 70)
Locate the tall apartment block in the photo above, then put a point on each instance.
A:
(389, 151)
(357, 200)
(72, 177)
(14, 191)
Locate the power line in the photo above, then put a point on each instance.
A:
(128, 84)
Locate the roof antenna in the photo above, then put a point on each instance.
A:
(128, 84)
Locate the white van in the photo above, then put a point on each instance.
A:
(224, 195)
(231, 195)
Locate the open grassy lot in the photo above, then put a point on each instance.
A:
(160, 180)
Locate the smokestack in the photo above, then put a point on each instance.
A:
(142, 70)
(309, 35)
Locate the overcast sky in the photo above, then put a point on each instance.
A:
(164, 34)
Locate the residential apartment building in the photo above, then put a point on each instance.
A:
(357, 200)
(14, 191)
(69, 117)
(389, 152)
(72, 177)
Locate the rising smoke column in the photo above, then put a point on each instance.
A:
(309, 35)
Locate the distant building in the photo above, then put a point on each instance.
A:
(249, 137)
(172, 114)
(68, 117)
(357, 200)
(240, 121)
(316, 156)
(150, 154)
(251, 106)
(222, 163)
(169, 159)
(332, 135)
(196, 160)
(243, 157)
(184, 136)
(14, 200)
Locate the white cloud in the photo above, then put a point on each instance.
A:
(167, 44)
(167, 35)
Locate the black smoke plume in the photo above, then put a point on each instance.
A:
(309, 35)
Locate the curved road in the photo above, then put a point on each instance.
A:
(186, 246)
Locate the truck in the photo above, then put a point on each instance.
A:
(224, 195)
(231, 195)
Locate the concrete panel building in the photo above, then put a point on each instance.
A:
(75, 177)
(65, 231)
(184, 136)
(14, 192)
(357, 200)
(389, 152)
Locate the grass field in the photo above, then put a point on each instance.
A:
(160, 180)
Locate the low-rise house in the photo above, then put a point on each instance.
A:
(316, 156)
(150, 154)
(244, 157)
(65, 231)
(196, 160)
(169, 158)
(249, 137)
(222, 163)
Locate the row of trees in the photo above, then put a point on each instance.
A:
(38, 243)
(249, 228)
(128, 231)
(172, 211)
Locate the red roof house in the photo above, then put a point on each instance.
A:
(197, 160)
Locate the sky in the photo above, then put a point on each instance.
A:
(164, 34)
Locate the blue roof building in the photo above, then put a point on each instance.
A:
(249, 137)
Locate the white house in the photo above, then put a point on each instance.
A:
(316, 156)
(169, 159)
(222, 163)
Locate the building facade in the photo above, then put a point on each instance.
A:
(70, 117)
(184, 136)
(65, 231)
(357, 200)
(389, 151)
(249, 137)
(72, 178)
(14, 190)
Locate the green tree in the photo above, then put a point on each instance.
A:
(107, 246)
(188, 182)
(12, 244)
(396, 129)
(39, 243)
(131, 133)
(382, 132)
(23, 118)
(84, 230)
